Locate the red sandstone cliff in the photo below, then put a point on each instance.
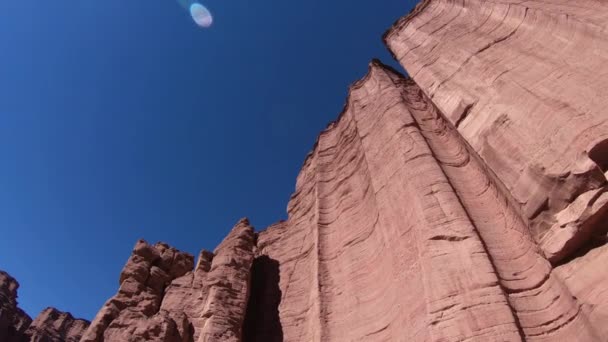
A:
(467, 203)
(51, 325)
(524, 83)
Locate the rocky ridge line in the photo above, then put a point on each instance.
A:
(51, 325)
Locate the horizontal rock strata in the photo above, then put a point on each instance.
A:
(466, 203)
(524, 84)
(399, 231)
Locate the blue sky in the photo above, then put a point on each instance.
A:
(122, 120)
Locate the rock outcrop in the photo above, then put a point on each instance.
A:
(161, 298)
(134, 313)
(13, 321)
(524, 84)
(400, 230)
(466, 203)
(51, 325)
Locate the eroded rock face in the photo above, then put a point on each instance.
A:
(51, 325)
(228, 284)
(400, 230)
(162, 298)
(134, 313)
(523, 82)
(381, 246)
(13, 321)
(468, 203)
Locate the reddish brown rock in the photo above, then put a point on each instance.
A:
(186, 296)
(378, 245)
(214, 297)
(52, 325)
(161, 297)
(134, 313)
(524, 84)
(13, 321)
(228, 284)
(399, 230)
(468, 203)
(586, 277)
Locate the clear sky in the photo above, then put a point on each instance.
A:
(122, 120)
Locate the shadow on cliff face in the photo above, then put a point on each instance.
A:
(599, 154)
(262, 321)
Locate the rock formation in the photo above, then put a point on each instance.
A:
(161, 298)
(13, 321)
(51, 325)
(523, 82)
(134, 313)
(466, 203)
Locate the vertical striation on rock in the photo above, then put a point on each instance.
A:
(228, 286)
(134, 314)
(377, 245)
(466, 203)
(186, 295)
(525, 85)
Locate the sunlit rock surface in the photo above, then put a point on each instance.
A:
(134, 313)
(525, 84)
(466, 203)
(52, 325)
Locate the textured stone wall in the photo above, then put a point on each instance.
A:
(466, 203)
(163, 297)
(525, 84)
(399, 230)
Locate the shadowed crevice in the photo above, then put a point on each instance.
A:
(599, 154)
(262, 322)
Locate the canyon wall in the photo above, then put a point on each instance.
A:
(525, 84)
(399, 230)
(466, 202)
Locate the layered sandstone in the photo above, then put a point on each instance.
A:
(397, 231)
(51, 325)
(466, 203)
(525, 84)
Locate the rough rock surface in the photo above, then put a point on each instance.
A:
(525, 84)
(468, 203)
(161, 297)
(51, 325)
(13, 321)
(400, 230)
(134, 313)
